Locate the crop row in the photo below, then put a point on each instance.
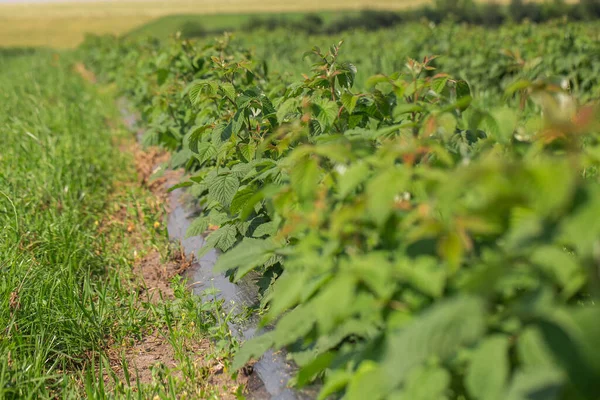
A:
(413, 240)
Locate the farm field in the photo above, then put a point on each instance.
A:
(64, 25)
(416, 207)
(418, 200)
(80, 245)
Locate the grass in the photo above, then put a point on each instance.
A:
(165, 26)
(70, 307)
(65, 25)
(62, 31)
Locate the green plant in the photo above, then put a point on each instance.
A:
(69, 298)
(417, 235)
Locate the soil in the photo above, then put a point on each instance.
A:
(153, 281)
(147, 162)
(80, 69)
(156, 275)
(153, 277)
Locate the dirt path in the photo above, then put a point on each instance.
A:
(165, 353)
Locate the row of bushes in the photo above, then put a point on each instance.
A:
(415, 244)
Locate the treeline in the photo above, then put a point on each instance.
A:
(15, 51)
(465, 11)
(461, 11)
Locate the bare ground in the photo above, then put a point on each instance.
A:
(152, 279)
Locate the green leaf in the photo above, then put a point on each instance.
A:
(247, 151)
(223, 187)
(425, 383)
(335, 382)
(333, 302)
(462, 103)
(462, 89)
(438, 85)
(585, 321)
(367, 383)
(374, 270)
(441, 331)
(241, 198)
(250, 253)
(247, 97)
(325, 111)
(196, 88)
(423, 273)
(238, 122)
(266, 229)
(309, 371)
(294, 325)
(241, 170)
(253, 348)
(205, 151)
(259, 196)
(197, 227)
(352, 177)
(516, 86)
(505, 122)
(285, 293)
(180, 158)
(347, 73)
(556, 263)
(382, 191)
(229, 90)
(489, 369)
(349, 101)
(581, 228)
(532, 350)
(407, 108)
(287, 107)
(195, 135)
(451, 249)
(161, 76)
(305, 177)
(180, 185)
(447, 122)
(223, 238)
(374, 80)
(566, 347)
(534, 384)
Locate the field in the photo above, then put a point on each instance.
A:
(65, 25)
(80, 245)
(164, 27)
(415, 206)
(419, 212)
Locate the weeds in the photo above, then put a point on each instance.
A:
(76, 225)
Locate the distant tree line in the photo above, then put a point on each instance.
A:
(461, 11)
(15, 51)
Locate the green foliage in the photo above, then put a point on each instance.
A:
(56, 166)
(71, 305)
(432, 237)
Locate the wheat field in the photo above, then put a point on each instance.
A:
(64, 25)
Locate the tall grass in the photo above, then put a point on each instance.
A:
(56, 164)
(70, 303)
